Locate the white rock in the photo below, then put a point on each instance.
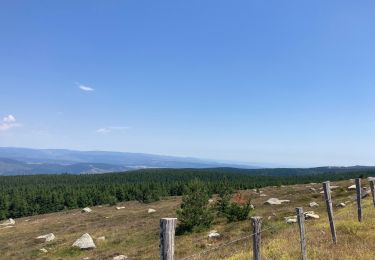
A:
(252, 206)
(275, 201)
(352, 187)
(86, 210)
(84, 242)
(47, 238)
(341, 205)
(8, 222)
(151, 211)
(263, 195)
(213, 234)
(313, 189)
(313, 204)
(311, 214)
(291, 220)
(334, 187)
(101, 238)
(43, 250)
(118, 208)
(210, 201)
(120, 257)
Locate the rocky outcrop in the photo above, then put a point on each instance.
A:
(84, 242)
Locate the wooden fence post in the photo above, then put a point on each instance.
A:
(371, 181)
(301, 223)
(167, 232)
(327, 197)
(359, 198)
(256, 223)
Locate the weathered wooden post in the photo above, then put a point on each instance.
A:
(301, 223)
(359, 198)
(256, 224)
(167, 232)
(371, 181)
(327, 197)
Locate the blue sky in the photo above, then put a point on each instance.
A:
(283, 82)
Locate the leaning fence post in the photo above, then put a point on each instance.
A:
(256, 223)
(327, 197)
(301, 223)
(167, 232)
(359, 198)
(371, 181)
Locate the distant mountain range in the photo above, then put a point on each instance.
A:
(19, 161)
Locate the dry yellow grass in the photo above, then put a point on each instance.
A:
(135, 233)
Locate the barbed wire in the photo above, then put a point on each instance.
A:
(224, 245)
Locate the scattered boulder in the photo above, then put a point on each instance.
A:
(43, 250)
(311, 214)
(341, 205)
(101, 238)
(118, 208)
(47, 238)
(275, 201)
(86, 210)
(313, 204)
(213, 234)
(8, 222)
(210, 201)
(263, 195)
(120, 257)
(312, 189)
(151, 211)
(84, 242)
(352, 187)
(290, 220)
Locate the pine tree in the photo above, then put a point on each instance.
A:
(194, 213)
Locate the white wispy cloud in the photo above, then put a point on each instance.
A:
(8, 123)
(106, 130)
(84, 87)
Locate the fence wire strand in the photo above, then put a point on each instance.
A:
(224, 244)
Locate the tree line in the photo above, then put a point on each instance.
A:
(38, 194)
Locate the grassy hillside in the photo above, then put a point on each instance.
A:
(134, 232)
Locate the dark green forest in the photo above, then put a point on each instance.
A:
(38, 194)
